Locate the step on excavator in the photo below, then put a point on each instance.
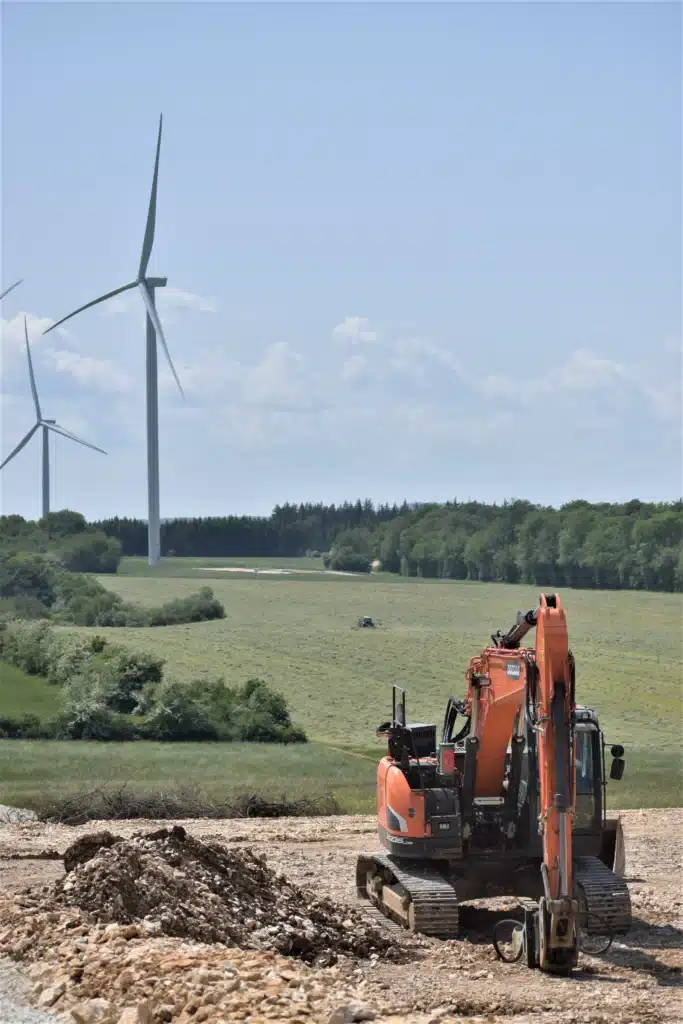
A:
(509, 802)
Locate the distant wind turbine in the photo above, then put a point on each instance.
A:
(147, 286)
(11, 288)
(47, 426)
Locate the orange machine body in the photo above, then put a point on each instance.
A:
(401, 809)
(494, 701)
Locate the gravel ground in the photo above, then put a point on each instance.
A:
(639, 980)
(14, 994)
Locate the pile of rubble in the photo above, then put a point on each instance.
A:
(117, 974)
(162, 927)
(178, 886)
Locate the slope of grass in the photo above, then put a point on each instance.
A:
(21, 694)
(299, 635)
(221, 771)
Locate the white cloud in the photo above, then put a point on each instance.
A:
(99, 373)
(13, 335)
(582, 376)
(186, 300)
(355, 329)
(278, 378)
(168, 299)
(413, 354)
(355, 367)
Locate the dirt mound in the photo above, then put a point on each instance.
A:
(176, 885)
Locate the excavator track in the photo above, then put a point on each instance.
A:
(607, 899)
(410, 893)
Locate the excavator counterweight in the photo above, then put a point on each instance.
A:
(509, 799)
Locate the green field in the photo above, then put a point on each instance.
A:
(21, 694)
(298, 633)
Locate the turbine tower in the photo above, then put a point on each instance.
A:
(47, 426)
(147, 287)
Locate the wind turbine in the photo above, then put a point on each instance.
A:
(11, 288)
(147, 287)
(47, 426)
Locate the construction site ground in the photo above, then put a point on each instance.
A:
(94, 973)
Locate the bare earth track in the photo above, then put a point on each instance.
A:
(639, 980)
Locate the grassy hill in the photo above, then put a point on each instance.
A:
(298, 633)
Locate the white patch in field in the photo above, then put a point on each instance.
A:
(274, 572)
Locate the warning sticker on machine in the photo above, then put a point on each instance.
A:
(513, 669)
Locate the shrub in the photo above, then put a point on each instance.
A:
(70, 655)
(345, 559)
(180, 712)
(63, 523)
(85, 715)
(28, 727)
(90, 552)
(26, 644)
(197, 607)
(23, 608)
(260, 714)
(27, 574)
(123, 675)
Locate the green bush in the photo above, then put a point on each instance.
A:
(86, 716)
(70, 655)
(63, 523)
(123, 675)
(27, 574)
(90, 552)
(23, 608)
(26, 644)
(180, 711)
(197, 607)
(28, 727)
(83, 601)
(345, 559)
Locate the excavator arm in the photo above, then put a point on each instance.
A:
(505, 683)
(557, 920)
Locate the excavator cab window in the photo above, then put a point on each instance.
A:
(585, 772)
(588, 803)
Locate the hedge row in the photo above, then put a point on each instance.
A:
(112, 693)
(36, 586)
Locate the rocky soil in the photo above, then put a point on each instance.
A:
(258, 921)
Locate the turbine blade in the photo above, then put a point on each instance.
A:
(148, 240)
(30, 371)
(154, 317)
(95, 302)
(11, 287)
(72, 437)
(21, 445)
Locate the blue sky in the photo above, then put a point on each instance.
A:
(413, 250)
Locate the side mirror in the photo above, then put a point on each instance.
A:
(383, 731)
(617, 750)
(617, 770)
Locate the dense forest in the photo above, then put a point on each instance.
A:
(636, 545)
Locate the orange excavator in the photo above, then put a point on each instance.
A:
(513, 803)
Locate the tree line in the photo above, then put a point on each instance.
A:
(290, 531)
(633, 545)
